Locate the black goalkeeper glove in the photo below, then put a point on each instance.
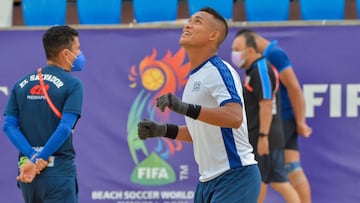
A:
(173, 103)
(150, 129)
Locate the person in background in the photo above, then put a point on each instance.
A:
(293, 112)
(263, 115)
(215, 117)
(40, 118)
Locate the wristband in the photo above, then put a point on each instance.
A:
(193, 111)
(171, 131)
(22, 161)
(262, 134)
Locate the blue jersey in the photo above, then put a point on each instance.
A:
(36, 119)
(278, 58)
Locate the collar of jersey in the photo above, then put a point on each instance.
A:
(253, 65)
(266, 50)
(201, 65)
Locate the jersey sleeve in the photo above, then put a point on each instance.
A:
(11, 107)
(261, 82)
(225, 86)
(73, 103)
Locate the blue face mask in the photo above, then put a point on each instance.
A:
(79, 62)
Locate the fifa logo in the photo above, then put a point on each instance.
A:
(153, 77)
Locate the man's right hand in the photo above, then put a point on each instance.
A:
(41, 164)
(149, 129)
(304, 130)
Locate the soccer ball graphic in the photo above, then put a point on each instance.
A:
(152, 79)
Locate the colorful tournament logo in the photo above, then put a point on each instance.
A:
(154, 77)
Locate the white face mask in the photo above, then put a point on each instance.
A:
(238, 58)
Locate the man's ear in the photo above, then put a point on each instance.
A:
(214, 35)
(64, 52)
(251, 50)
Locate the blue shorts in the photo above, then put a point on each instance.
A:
(50, 189)
(272, 166)
(239, 185)
(291, 136)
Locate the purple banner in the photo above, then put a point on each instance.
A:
(127, 68)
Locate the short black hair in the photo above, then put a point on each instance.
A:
(245, 30)
(58, 38)
(219, 17)
(250, 38)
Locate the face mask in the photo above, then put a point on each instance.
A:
(238, 59)
(79, 62)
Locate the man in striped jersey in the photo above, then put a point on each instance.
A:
(215, 116)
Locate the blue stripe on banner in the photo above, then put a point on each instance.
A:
(264, 78)
(233, 156)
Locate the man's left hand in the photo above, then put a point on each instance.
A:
(28, 172)
(263, 146)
